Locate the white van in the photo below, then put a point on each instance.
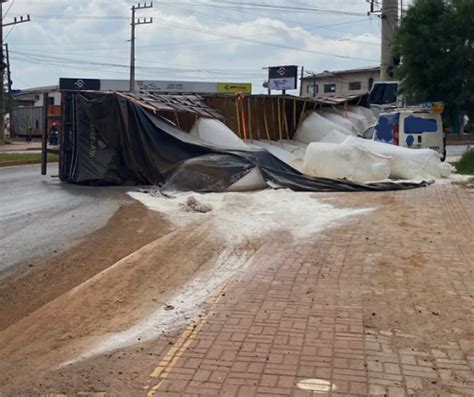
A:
(411, 128)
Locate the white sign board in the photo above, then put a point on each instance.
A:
(282, 77)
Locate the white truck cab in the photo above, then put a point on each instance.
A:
(383, 95)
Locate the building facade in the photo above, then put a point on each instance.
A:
(34, 96)
(27, 118)
(340, 83)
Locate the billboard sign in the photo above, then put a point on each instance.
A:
(79, 84)
(157, 86)
(283, 77)
(234, 88)
(177, 86)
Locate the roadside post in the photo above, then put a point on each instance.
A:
(44, 140)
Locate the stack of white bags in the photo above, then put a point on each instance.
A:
(326, 144)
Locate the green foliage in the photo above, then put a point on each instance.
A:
(24, 158)
(465, 165)
(436, 44)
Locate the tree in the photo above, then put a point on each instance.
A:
(435, 43)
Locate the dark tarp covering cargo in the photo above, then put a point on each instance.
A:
(112, 139)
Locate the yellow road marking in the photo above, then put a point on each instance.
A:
(169, 361)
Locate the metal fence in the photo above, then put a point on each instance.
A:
(26, 120)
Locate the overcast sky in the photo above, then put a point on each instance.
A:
(228, 40)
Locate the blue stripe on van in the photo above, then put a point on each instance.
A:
(419, 125)
(385, 126)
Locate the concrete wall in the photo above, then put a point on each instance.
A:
(53, 94)
(342, 83)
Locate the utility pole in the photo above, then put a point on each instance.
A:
(135, 22)
(389, 18)
(9, 70)
(301, 80)
(16, 21)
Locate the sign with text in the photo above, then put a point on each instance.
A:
(283, 77)
(234, 88)
(176, 86)
(155, 86)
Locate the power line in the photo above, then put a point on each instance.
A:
(170, 45)
(269, 7)
(76, 16)
(72, 61)
(8, 10)
(215, 33)
(276, 29)
(9, 33)
(256, 78)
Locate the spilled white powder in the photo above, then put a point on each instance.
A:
(235, 218)
(187, 303)
(241, 216)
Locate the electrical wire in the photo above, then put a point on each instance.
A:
(279, 8)
(282, 46)
(8, 10)
(225, 5)
(276, 29)
(175, 69)
(165, 46)
(76, 16)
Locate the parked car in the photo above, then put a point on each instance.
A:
(411, 128)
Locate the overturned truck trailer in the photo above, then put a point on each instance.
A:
(130, 139)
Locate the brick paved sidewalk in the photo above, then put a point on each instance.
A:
(381, 306)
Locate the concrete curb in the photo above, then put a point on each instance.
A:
(22, 162)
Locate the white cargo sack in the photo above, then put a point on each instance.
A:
(406, 163)
(252, 181)
(339, 119)
(296, 148)
(280, 153)
(365, 112)
(217, 133)
(316, 128)
(341, 160)
(360, 122)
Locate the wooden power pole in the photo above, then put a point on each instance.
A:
(3, 65)
(134, 23)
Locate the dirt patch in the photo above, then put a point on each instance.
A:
(130, 228)
(469, 184)
(103, 311)
(155, 290)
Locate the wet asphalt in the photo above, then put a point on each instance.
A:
(40, 214)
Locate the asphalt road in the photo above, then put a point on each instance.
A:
(39, 214)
